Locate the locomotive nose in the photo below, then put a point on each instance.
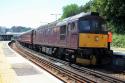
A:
(96, 38)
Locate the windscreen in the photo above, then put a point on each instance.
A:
(92, 25)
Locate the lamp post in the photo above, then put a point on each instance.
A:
(55, 15)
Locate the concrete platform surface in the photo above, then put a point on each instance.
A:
(118, 51)
(16, 69)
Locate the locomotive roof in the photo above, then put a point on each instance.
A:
(67, 20)
(76, 17)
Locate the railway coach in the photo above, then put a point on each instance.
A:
(26, 39)
(82, 39)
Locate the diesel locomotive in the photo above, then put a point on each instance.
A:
(82, 39)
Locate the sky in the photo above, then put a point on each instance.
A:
(32, 13)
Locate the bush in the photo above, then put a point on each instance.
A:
(118, 40)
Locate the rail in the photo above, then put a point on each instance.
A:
(68, 74)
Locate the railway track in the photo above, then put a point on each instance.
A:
(65, 72)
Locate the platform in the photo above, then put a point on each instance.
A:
(16, 69)
(118, 51)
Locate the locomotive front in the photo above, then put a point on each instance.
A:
(94, 44)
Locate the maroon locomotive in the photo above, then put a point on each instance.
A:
(82, 38)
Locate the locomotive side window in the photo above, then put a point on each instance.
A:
(72, 26)
(62, 32)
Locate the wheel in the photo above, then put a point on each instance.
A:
(60, 53)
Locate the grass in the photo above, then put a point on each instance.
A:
(118, 40)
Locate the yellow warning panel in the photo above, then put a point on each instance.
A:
(93, 40)
(7, 74)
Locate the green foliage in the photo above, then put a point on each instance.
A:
(118, 40)
(99, 6)
(112, 10)
(70, 10)
(115, 12)
(86, 7)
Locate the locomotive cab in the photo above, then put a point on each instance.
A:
(92, 30)
(93, 41)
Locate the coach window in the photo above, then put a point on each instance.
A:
(62, 32)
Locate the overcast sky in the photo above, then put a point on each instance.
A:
(32, 13)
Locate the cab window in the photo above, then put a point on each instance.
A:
(95, 25)
(104, 27)
(84, 26)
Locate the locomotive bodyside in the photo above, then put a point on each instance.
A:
(56, 36)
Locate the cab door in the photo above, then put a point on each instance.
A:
(72, 34)
(63, 36)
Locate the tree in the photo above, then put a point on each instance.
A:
(86, 7)
(112, 10)
(70, 10)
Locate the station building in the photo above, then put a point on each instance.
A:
(9, 36)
